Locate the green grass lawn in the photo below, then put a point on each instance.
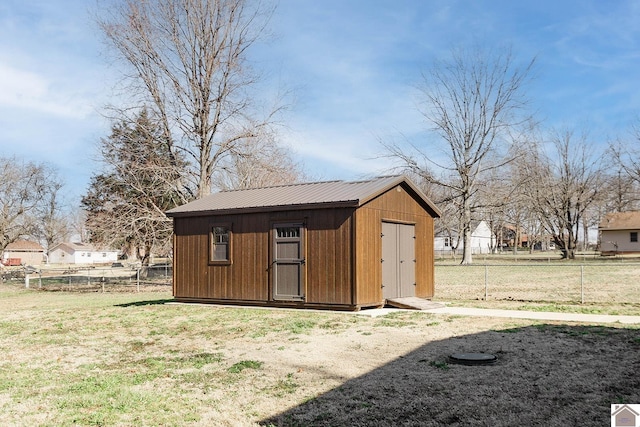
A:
(603, 287)
(124, 359)
(130, 359)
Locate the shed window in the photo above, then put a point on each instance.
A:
(634, 236)
(220, 244)
(288, 232)
(447, 242)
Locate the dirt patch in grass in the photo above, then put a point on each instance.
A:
(132, 359)
(545, 375)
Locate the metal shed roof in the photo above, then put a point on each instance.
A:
(298, 196)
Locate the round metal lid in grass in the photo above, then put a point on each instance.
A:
(473, 358)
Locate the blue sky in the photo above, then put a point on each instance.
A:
(352, 65)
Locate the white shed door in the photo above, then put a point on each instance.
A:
(398, 260)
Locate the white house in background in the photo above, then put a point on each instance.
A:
(619, 233)
(481, 240)
(81, 253)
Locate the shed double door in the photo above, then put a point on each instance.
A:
(398, 260)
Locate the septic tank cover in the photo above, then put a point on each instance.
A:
(473, 358)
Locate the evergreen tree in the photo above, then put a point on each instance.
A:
(125, 203)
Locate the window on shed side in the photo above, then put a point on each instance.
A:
(633, 236)
(220, 244)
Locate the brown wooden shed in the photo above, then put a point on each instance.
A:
(339, 245)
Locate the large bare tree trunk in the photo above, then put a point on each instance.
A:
(466, 237)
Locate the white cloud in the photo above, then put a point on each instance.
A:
(346, 143)
(335, 152)
(29, 90)
(353, 64)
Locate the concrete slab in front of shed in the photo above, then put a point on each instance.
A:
(414, 303)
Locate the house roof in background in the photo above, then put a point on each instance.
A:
(74, 246)
(24, 246)
(301, 196)
(629, 220)
(78, 246)
(443, 232)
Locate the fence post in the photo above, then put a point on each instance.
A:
(26, 280)
(138, 280)
(486, 281)
(582, 284)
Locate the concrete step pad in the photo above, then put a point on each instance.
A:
(414, 303)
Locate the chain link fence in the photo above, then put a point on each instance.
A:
(561, 282)
(613, 282)
(93, 278)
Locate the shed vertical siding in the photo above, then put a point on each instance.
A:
(395, 205)
(368, 251)
(329, 267)
(329, 264)
(186, 257)
(246, 278)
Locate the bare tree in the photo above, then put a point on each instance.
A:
(566, 183)
(520, 213)
(625, 179)
(53, 226)
(621, 192)
(257, 163)
(24, 188)
(471, 101)
(448, 225)
(78, 225)
(496, 196)
(188, 60)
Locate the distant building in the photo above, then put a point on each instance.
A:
(481, 240)
(619, 233)
(23, 252)
(81, 253)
